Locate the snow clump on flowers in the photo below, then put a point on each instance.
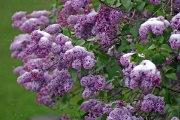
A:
(174, 118)
(151, 102)
(174, 40)
(144, 75)
(156, 25)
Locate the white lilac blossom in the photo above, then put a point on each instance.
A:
(144, 75)
(174, 41)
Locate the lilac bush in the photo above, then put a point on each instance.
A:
(109, 60)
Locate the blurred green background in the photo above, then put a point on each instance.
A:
(15, 102)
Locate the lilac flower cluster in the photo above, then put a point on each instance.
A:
(151, 102)
(144, 75)
(84, 24)
(91, 84)
(175, 21)
(47, 56)
(59, 84)
(156, 25)
(96, 109)
(122, 114)
(155, 2)
(80, 57)
(19, 44)
(30, 22)
(174, 40)
(101, 24)
(71, 7)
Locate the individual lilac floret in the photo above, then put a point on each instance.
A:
(174, 118)
(151, 102)
(53, 29)
(174, 41)
(155, 2)
(175, 21)
(156, 25)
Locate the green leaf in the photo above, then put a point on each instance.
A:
(158, 59)
(102, 117)
(152, 47)
(96, 4)
(168, 68)
(172, 76)
(140, 6)
(101, 94)
(150, 9)
(167, 97)
(165, 81)
(100, 67)
(84, 71)
(93, 39)
(136, 58)
(166, 48)
(140, 48)
(109, 71)
(73, 73)
(104, 58)
(127, 4)
(80, 101)
(110, 2)
(80, 42)
(94, 46)
(66, 32)
(63, 106)
(126, 29)
(123, 46)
